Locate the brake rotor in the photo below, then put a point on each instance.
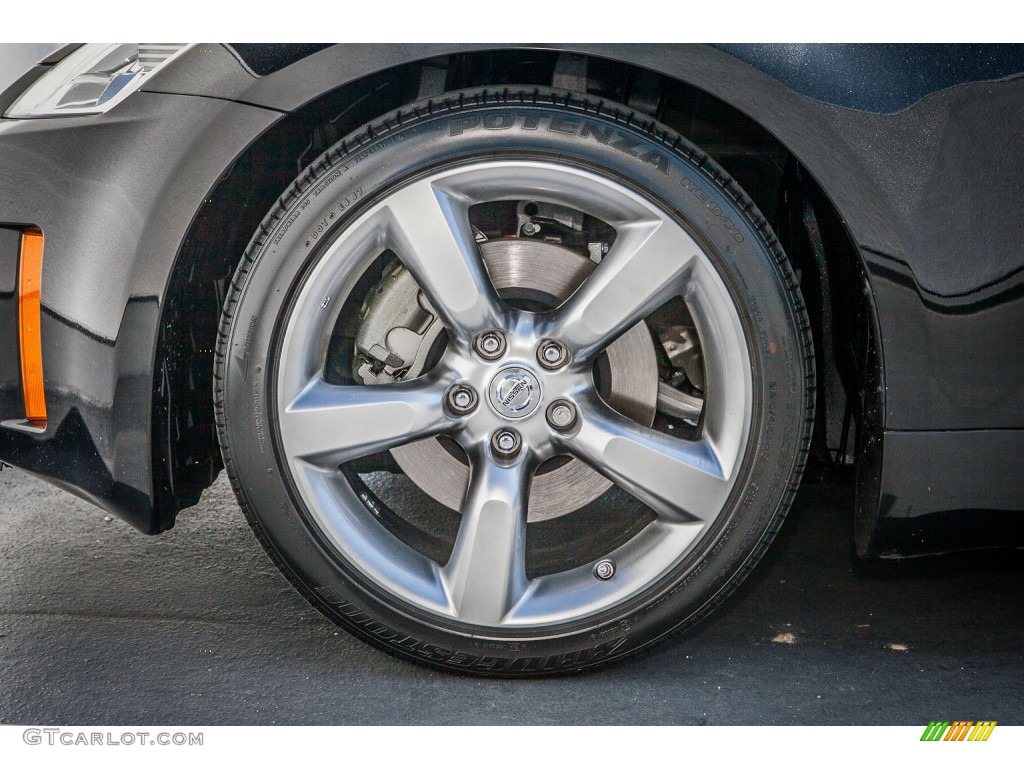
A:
(548, 274)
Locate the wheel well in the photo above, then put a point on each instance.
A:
(186, 457)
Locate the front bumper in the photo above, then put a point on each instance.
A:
(114, 196)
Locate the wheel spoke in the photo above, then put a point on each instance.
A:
(681, 480)
(432, 237)
(646, 266)
(328, 425)
(486, 574)
(728, 409)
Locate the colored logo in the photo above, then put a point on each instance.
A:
(959, 730)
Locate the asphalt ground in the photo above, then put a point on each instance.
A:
(100, 625)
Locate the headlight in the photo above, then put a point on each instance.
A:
(94, 78)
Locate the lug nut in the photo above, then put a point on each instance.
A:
(461, 399)
(552, 354)
(490, 345)
(604, 570)
(506, 443)
(562, 415)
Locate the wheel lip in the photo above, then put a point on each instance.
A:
(383, 575)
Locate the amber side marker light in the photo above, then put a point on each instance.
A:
(29, 276)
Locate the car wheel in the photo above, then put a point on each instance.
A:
(514, 383)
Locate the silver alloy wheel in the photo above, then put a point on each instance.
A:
(686, 483)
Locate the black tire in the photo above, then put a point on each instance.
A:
(518, 124)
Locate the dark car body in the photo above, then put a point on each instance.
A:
(893, 174)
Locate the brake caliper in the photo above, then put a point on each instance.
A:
(397, 330)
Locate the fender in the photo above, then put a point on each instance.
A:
(889, 136)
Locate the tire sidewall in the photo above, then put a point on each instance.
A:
(361, 171)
